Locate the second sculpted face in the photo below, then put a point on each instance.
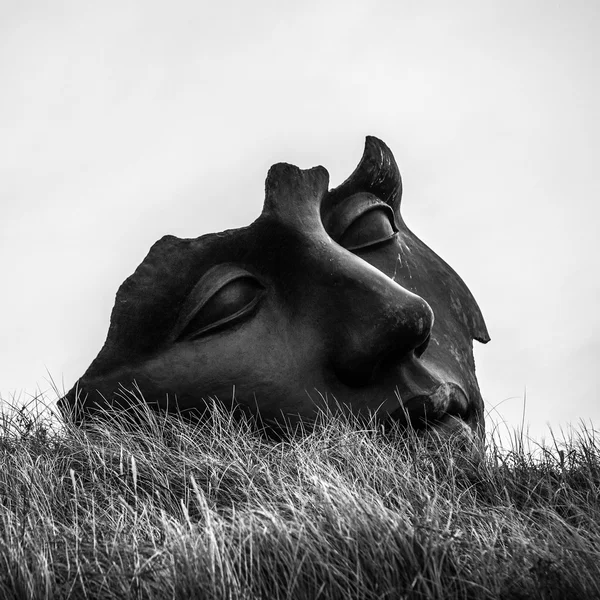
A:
(327, 299)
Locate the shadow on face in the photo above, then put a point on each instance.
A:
(327, 301)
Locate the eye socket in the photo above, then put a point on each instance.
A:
(361, 221)
(225, 295)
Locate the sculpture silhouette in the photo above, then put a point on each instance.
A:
(327, 299)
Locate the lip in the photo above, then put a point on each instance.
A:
(446, 400)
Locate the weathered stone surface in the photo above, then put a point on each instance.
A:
(326, 299)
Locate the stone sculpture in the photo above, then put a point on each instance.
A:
(327, 299)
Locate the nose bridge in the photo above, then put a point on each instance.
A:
(293, 197)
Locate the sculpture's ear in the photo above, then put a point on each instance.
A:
(377, 173)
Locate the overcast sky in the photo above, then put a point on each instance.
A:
(124, 121)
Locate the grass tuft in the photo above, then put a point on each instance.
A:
(165, 508)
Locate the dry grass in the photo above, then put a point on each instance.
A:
(169, 509)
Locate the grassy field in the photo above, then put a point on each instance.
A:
(169, 509)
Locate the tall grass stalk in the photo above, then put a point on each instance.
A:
(164, 508)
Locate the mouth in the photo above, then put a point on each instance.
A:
(447, 402)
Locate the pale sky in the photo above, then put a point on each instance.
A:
(124, 121)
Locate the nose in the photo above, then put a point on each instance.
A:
(364, 318)
(377, 323)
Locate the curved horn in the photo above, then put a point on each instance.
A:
(377, 173)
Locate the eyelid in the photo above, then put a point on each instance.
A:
(354, 207)
(214, 280)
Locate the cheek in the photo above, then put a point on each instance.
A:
(181, 370)
(195, 370)
(268, 358)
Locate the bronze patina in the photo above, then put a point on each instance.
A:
(327, 300)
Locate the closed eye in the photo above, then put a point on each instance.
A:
(362, 221)
(224, 296)
(371, 227)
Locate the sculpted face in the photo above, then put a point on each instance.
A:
(326, 299)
